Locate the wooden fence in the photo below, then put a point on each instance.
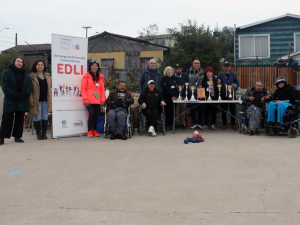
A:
(249, 75)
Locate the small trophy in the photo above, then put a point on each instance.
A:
(209, 83)
(219, 87)
(179, 88)
(229, 89)
(193, 97)
(186, 89)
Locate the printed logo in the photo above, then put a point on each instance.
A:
(77, 47)
(64, 124)
(78, 123)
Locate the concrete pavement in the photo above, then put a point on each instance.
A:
(229, 179)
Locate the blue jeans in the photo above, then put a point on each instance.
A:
(43, 112)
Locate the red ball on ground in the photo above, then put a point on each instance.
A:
(195, 136)
(199, 136)
(202, 139)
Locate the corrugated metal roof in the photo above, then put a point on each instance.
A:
(108, 42)
(30, 48)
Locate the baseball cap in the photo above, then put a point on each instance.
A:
(151, 81)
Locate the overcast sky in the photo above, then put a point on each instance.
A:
(35, 21)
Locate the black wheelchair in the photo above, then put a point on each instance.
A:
(290, 121)
(143, 122)
(129, 123)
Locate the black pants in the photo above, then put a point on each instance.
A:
(169, 112)
(210, 109)
(151, 116)
(8, 123)
(93, 110)
(199, 110)
(224, 106)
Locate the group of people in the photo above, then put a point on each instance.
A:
(32, 93)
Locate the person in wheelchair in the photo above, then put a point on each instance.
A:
(117, 104)
(282, 98)
(151, 100)
(255, 98)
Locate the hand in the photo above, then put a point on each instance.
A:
(87, 103)
(268, 96)
(102, 103)
(262, 100)
(173, 98)
(251, 99)
(125, 103)
(143, 105)
(162, 103)
(219, 81)
(31, 104)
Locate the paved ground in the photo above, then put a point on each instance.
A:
(229, 179)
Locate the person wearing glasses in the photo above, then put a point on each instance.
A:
(255, 98)
(93, 94)
(117, 105)
(225, 78)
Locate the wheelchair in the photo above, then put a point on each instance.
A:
(129, 128)
(290, 121)
(143, 122)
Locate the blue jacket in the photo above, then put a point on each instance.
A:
(145, 77)
(232, 79)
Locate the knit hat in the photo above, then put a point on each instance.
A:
(280, 79)
(209, 69)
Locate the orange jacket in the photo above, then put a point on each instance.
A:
(88, 87)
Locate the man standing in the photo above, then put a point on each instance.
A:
(226, 78)
(117, 104)
(255, 98)
(151, 74)
(195, 76)
(182, 78)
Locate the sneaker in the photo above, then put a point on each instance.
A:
(151, 128)
(233, 127)
(224, 127)
(96, 134)
(213, 127)
(205, 127)
(90, 134)
(200, 126)
(153, 132)
(194, 127)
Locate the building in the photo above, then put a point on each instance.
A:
(262, 43)
(162, 39)
(126, 57)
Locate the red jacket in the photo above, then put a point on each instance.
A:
(88, 87)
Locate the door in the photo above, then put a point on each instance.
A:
(108, 63)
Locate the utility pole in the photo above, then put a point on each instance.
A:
(16, 39)
(86, 30)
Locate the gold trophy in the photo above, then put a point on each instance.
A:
(229, 89)
(179, 88)
(209, 83)
(219, 87)
(186, 90)
(193, 97)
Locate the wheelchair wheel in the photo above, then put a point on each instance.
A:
(163, 124)
(141, 123)
(244, 129)
(105, 130)
(128, 128)
(269, 131)
(132, 122)
(293, 132)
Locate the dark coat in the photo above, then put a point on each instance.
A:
(9, 88)
(145, 77)
(287, 92)
(151, 99)
(113, 97)
(216, 90)
(250, 93)
(233, 79)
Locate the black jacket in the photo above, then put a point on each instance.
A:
(151, 98)
(287, 92)
(181, 81)
(170, 87)
(250, 93)
(216, 91)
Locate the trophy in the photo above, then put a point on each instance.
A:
(186, 89)
(219, 87)
(229, 89)
(193, 97)
(179, 88)
(209, 83)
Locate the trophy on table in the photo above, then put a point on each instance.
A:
(229, 89)
(186, 89)
(219, 87)
(193, 97)
(209, 83)
(179, 88)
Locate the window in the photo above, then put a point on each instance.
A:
(297, 42)
(252, 46)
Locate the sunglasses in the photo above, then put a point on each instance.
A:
(122, 86)
(94, 61)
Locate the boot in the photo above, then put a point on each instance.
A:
(37, 126)
(113, 135)
(122, 135)
(44, 128)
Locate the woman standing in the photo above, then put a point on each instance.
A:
(17, 87)
(40, 98)
(210, 109)
(92, 91)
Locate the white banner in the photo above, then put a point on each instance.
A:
(69, 63)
